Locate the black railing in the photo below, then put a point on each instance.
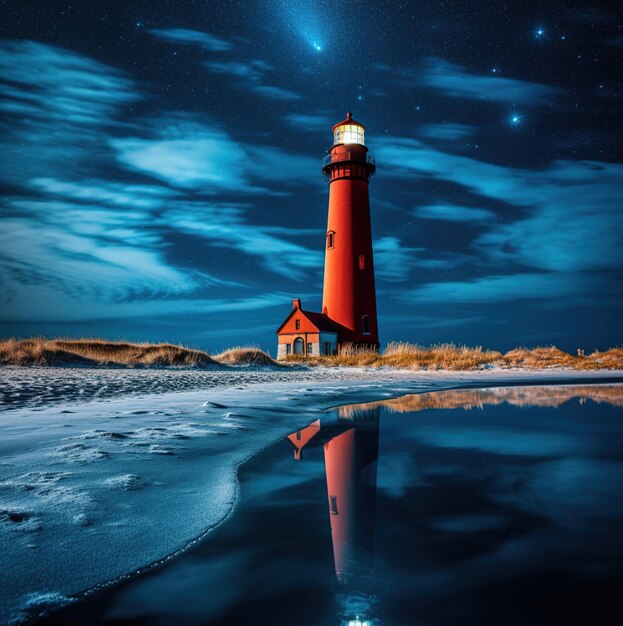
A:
(342, 157)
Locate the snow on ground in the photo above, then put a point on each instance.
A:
(91, 491)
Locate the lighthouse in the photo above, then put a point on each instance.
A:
(348, 299)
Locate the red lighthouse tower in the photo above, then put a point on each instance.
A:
(349, 297)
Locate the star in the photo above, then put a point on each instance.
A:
(515, 119)
(316, 46)
(539, 32)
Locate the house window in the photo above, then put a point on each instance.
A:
(309, 349)
(362, 261)
(365, 324)
(288, 348)
(330, 239)
(298, 435)
(297, 324)
(333, 505)
(299, 346)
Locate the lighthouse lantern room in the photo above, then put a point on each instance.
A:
(348, 314)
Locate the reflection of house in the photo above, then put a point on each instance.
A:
(300, 438)
(349, 298)
(306, 333)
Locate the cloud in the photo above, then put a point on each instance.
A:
(453, 213)
(49, 83)
(309, 123)
(458, 82)
(107, 193)
(252, 75)
(188, 154)
(101, 256)
(65, 110)
(228, 228)
(573, 207)
(394, 260)
(194, 37)
(488, 289)
(446, 132)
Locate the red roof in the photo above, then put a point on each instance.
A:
(348, 120)
(319, 321)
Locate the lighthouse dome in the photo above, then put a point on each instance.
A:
(349, 131)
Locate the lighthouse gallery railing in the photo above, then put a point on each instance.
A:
(345, 157)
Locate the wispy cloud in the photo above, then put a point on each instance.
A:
(107, 192)
(189, 154)
(574, 206)
(453, 213)
(55, 119)
(194, 37)
(228, 228)
(308, 123)
(252, 75)
(84, 237)
(458, 82)
(49, 83)
(526, 286)
(563, 220)
(446, 132)
(394, 260)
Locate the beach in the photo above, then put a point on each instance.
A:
(105, 472)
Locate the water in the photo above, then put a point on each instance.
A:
(457, 507)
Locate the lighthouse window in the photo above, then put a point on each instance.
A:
(333, 505)
(365, 324)
(330, 239)
(362, 262)
(349, 133)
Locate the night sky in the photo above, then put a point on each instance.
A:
(160, 167)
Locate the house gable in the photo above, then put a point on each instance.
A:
(308, 322)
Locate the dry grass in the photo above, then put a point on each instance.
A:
(245, 355)
(449, 356)
(446, 356)
(40, 351)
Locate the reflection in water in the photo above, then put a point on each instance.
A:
(542, 396)
(351, 449)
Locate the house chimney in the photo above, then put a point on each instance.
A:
(296, 303)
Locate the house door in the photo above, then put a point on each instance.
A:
(299, 346)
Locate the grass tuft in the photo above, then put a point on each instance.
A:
(245, 355)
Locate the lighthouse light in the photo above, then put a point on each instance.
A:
(349, 133)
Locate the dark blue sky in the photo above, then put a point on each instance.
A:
(161, 167)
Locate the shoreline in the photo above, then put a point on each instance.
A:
(46, 386)
(275, 408)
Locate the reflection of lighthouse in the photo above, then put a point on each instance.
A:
(350, 465)
(351, 448)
